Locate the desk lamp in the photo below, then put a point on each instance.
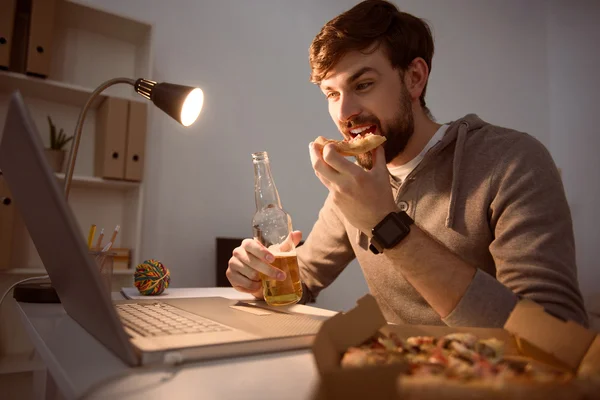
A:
(182, 103)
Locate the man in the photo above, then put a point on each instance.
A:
(491, 220)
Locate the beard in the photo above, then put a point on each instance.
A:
(397, 132)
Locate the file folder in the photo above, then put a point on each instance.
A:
(111, 137)
(7, 214)
(41, 32)
(7, 20)
(136, 141)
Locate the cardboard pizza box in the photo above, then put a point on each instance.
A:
(529, 333)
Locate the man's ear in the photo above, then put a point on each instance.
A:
(415, 77)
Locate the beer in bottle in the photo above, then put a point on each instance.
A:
(272, 227)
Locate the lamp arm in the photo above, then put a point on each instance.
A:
(79, 128)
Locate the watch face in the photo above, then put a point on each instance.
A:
(390, 231)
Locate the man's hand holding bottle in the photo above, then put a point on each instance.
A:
(251, 259)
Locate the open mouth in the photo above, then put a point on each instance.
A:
(363, 130)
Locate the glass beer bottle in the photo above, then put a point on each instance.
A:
(272, 227)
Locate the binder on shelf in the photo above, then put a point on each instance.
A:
(7, 19)
(20, 34)
(41, 32)
(136, 141)
(111, 138)
(7, 215)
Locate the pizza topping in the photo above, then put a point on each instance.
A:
(461, 351)
(492, 349)
(484, 369)
(467, 339)
(459, 369)
(421, 340)
(389, 344)
(437, 357)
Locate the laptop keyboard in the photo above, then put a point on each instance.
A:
(159, 319)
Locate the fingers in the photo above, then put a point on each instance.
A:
(323, 171)
(294, 237)
(252, 246)
(257, 257)
(338, 162)
(256, 249)
(242, 277)
(331, 167)
(379, 162)
(242, 265)
(241, 282)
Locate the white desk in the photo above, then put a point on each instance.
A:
(78, 365)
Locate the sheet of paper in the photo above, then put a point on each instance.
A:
(319, 313)
(180, 293)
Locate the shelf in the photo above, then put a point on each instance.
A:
(54, 91)
(95, 182)
(20, 362)
(42, 271)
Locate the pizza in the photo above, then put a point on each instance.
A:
(460, 357)
(357, 145)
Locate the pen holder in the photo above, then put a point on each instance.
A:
(104, 261)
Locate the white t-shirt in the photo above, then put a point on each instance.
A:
(402, 171)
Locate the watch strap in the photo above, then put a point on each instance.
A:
(375, 247)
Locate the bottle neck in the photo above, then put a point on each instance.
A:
(265, 191)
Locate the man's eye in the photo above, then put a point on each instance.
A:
(331, 95)
(363, 86)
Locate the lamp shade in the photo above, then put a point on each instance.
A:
(182, 103)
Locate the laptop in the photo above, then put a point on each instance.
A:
(140, 332)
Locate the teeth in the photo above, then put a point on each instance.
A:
(359, 130)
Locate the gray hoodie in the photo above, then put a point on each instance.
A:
(491, 195)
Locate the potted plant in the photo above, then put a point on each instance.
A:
(56, 154)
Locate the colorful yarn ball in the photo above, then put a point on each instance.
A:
(151, 277)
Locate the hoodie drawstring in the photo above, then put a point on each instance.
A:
(458, 154)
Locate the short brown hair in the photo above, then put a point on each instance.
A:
(372, 22)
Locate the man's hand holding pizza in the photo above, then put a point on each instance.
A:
(364, 197)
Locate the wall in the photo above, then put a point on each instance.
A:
(250, 57)
(574, 85)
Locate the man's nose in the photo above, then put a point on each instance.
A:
(348, 110)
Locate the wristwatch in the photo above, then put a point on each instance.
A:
(390, 231)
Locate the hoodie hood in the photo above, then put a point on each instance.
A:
(458, 131)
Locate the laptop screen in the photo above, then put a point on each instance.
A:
(55, 232)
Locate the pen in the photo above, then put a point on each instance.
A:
(99, 242)
(91, 235)
(113, 238)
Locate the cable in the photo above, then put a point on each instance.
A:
(18, 283)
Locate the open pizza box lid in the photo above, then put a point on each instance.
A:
(529, 332)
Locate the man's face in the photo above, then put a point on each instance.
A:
(366, 95)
